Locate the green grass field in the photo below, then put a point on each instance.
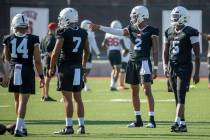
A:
(107, 114)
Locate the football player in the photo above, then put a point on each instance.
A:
(139, 70)
(114, 44)
(73, 51)
(4, 80)
(207, 37)
(20, 50)
(179, 42)
(92, 45)
(125, 59)
(47, 44)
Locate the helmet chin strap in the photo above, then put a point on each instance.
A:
(20, 34)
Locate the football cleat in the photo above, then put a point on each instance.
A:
(19, 133)
(113, 88)
(48, 99)
(65, 131)
(25, 132)
(174, 127)
(135, 124)
(151, 125)
(81, 130)
(11, 128)
(182, 128)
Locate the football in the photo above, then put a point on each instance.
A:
(11, 128)
(2, 129)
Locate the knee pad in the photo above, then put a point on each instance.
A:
(181, 96)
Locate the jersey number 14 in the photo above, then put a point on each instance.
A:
(20, 49)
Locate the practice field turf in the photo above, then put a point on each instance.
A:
(108, 113)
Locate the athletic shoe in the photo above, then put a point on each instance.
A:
(175, 127)
(122, 88)
(19, 133)
(61, 100)
(25, 132)
(81, 130)
(65, 131)
(135, 124)
(182, 128)
(11, 128)
(151, 125)
(42, 99)
(49, 99)
(113, 88)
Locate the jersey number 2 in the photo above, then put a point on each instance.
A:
(21, 49)
(137, 46)
(77, 40)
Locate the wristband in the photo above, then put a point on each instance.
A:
(155, 67)
(41, 76)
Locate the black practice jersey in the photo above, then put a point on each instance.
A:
(142, 42)
(74, 42)
(21, 48)
(180, 44)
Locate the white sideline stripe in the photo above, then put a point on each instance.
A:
(125, 101)
(4, 106)
(142, 100)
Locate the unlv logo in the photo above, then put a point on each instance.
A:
(32, 15)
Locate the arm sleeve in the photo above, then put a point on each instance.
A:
(119, 32)
(93, 44)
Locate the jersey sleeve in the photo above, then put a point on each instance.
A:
(36, 40)
(155, 31)
(6, 40)
(194, 36)
(165, 38)
(60, 33)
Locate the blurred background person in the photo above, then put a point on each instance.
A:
(125, 58)
(47, 46)
(207, 37)
(92, 45)
(114, 44)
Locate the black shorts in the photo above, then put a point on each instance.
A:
(28, 80)
(139, 72)
(70, 78)
(123, 67)
(179, 77)
(114, 57)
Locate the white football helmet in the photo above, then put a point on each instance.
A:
(19, 20)
(67, 16)
(85, 24)
(139, 14)
(179, 16)
(116, 24)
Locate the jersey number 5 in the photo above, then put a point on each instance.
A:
(175, 47)
(21, 49)
(77, 40)
(137, 46)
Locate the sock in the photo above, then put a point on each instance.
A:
(183, 122)
(178, 119)
(151, 116)
(81, 121)
(138, 116)
(112, 82)
(69, 122)
(19, 123)
(86, 86)
(24, 126)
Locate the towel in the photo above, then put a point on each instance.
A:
(17, 75)
(145, 68)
